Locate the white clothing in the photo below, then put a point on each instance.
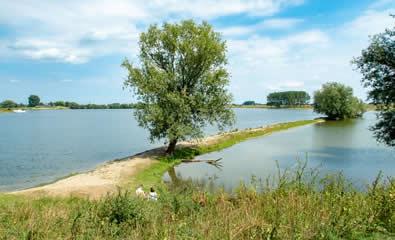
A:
(140, 192)
(153, 196)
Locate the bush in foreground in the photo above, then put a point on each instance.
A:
(292, 207)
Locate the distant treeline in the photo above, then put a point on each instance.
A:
(288, 98)
(74, 105)
(249, 103)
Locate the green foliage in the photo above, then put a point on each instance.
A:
(59, 104)
(8, 104)
(119, 209)
(377, 66)
(288, 98)
(337, 102)
(74, 105)
(248, 103)
(180, 82)
(295, 204)
(34, 100)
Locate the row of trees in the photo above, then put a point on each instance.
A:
(288, 98)
(74, 105)
(34, 101)
(249, 103)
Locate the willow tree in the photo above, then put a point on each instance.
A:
(337, 101)
(180, 81)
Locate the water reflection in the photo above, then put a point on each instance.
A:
(346, 146)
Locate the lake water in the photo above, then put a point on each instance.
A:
(346, 146)
(41, 146)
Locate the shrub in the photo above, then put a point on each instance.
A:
(337, 102)
(120, 208)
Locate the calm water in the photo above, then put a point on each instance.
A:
(40, 146)
(346, 146)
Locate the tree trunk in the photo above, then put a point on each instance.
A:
(173, 175)
(172, 146)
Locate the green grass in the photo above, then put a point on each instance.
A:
(151, 176)
(294, 206)
(273, 107)
(32, 108)
(4, 110)
(44, 108)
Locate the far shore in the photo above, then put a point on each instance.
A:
(144, 168)
(5, 110)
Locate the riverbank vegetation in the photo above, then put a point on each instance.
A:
(265, 106)
(5, 110)
(294, 204)
(35, 104)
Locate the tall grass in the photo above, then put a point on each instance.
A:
(296, 205)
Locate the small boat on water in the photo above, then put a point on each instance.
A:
(18, 111)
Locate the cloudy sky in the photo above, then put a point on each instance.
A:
(72, 50)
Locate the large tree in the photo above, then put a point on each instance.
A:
(337, 102)
(180, 81)
(377, 65)
(34, 100)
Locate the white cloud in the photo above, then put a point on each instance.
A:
(75, 31)
(213, 8)
(270, 24)
(303, 60)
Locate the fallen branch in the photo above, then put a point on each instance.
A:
(214, 162)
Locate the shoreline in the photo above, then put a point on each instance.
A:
(145, 167)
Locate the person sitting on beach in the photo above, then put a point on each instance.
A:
(153, 195)
(140, 191)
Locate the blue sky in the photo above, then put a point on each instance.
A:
(72, 50)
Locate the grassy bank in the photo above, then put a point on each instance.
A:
(272, 107)
(294, 206)
(5, 110)
(32, 108)
(152, 176)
